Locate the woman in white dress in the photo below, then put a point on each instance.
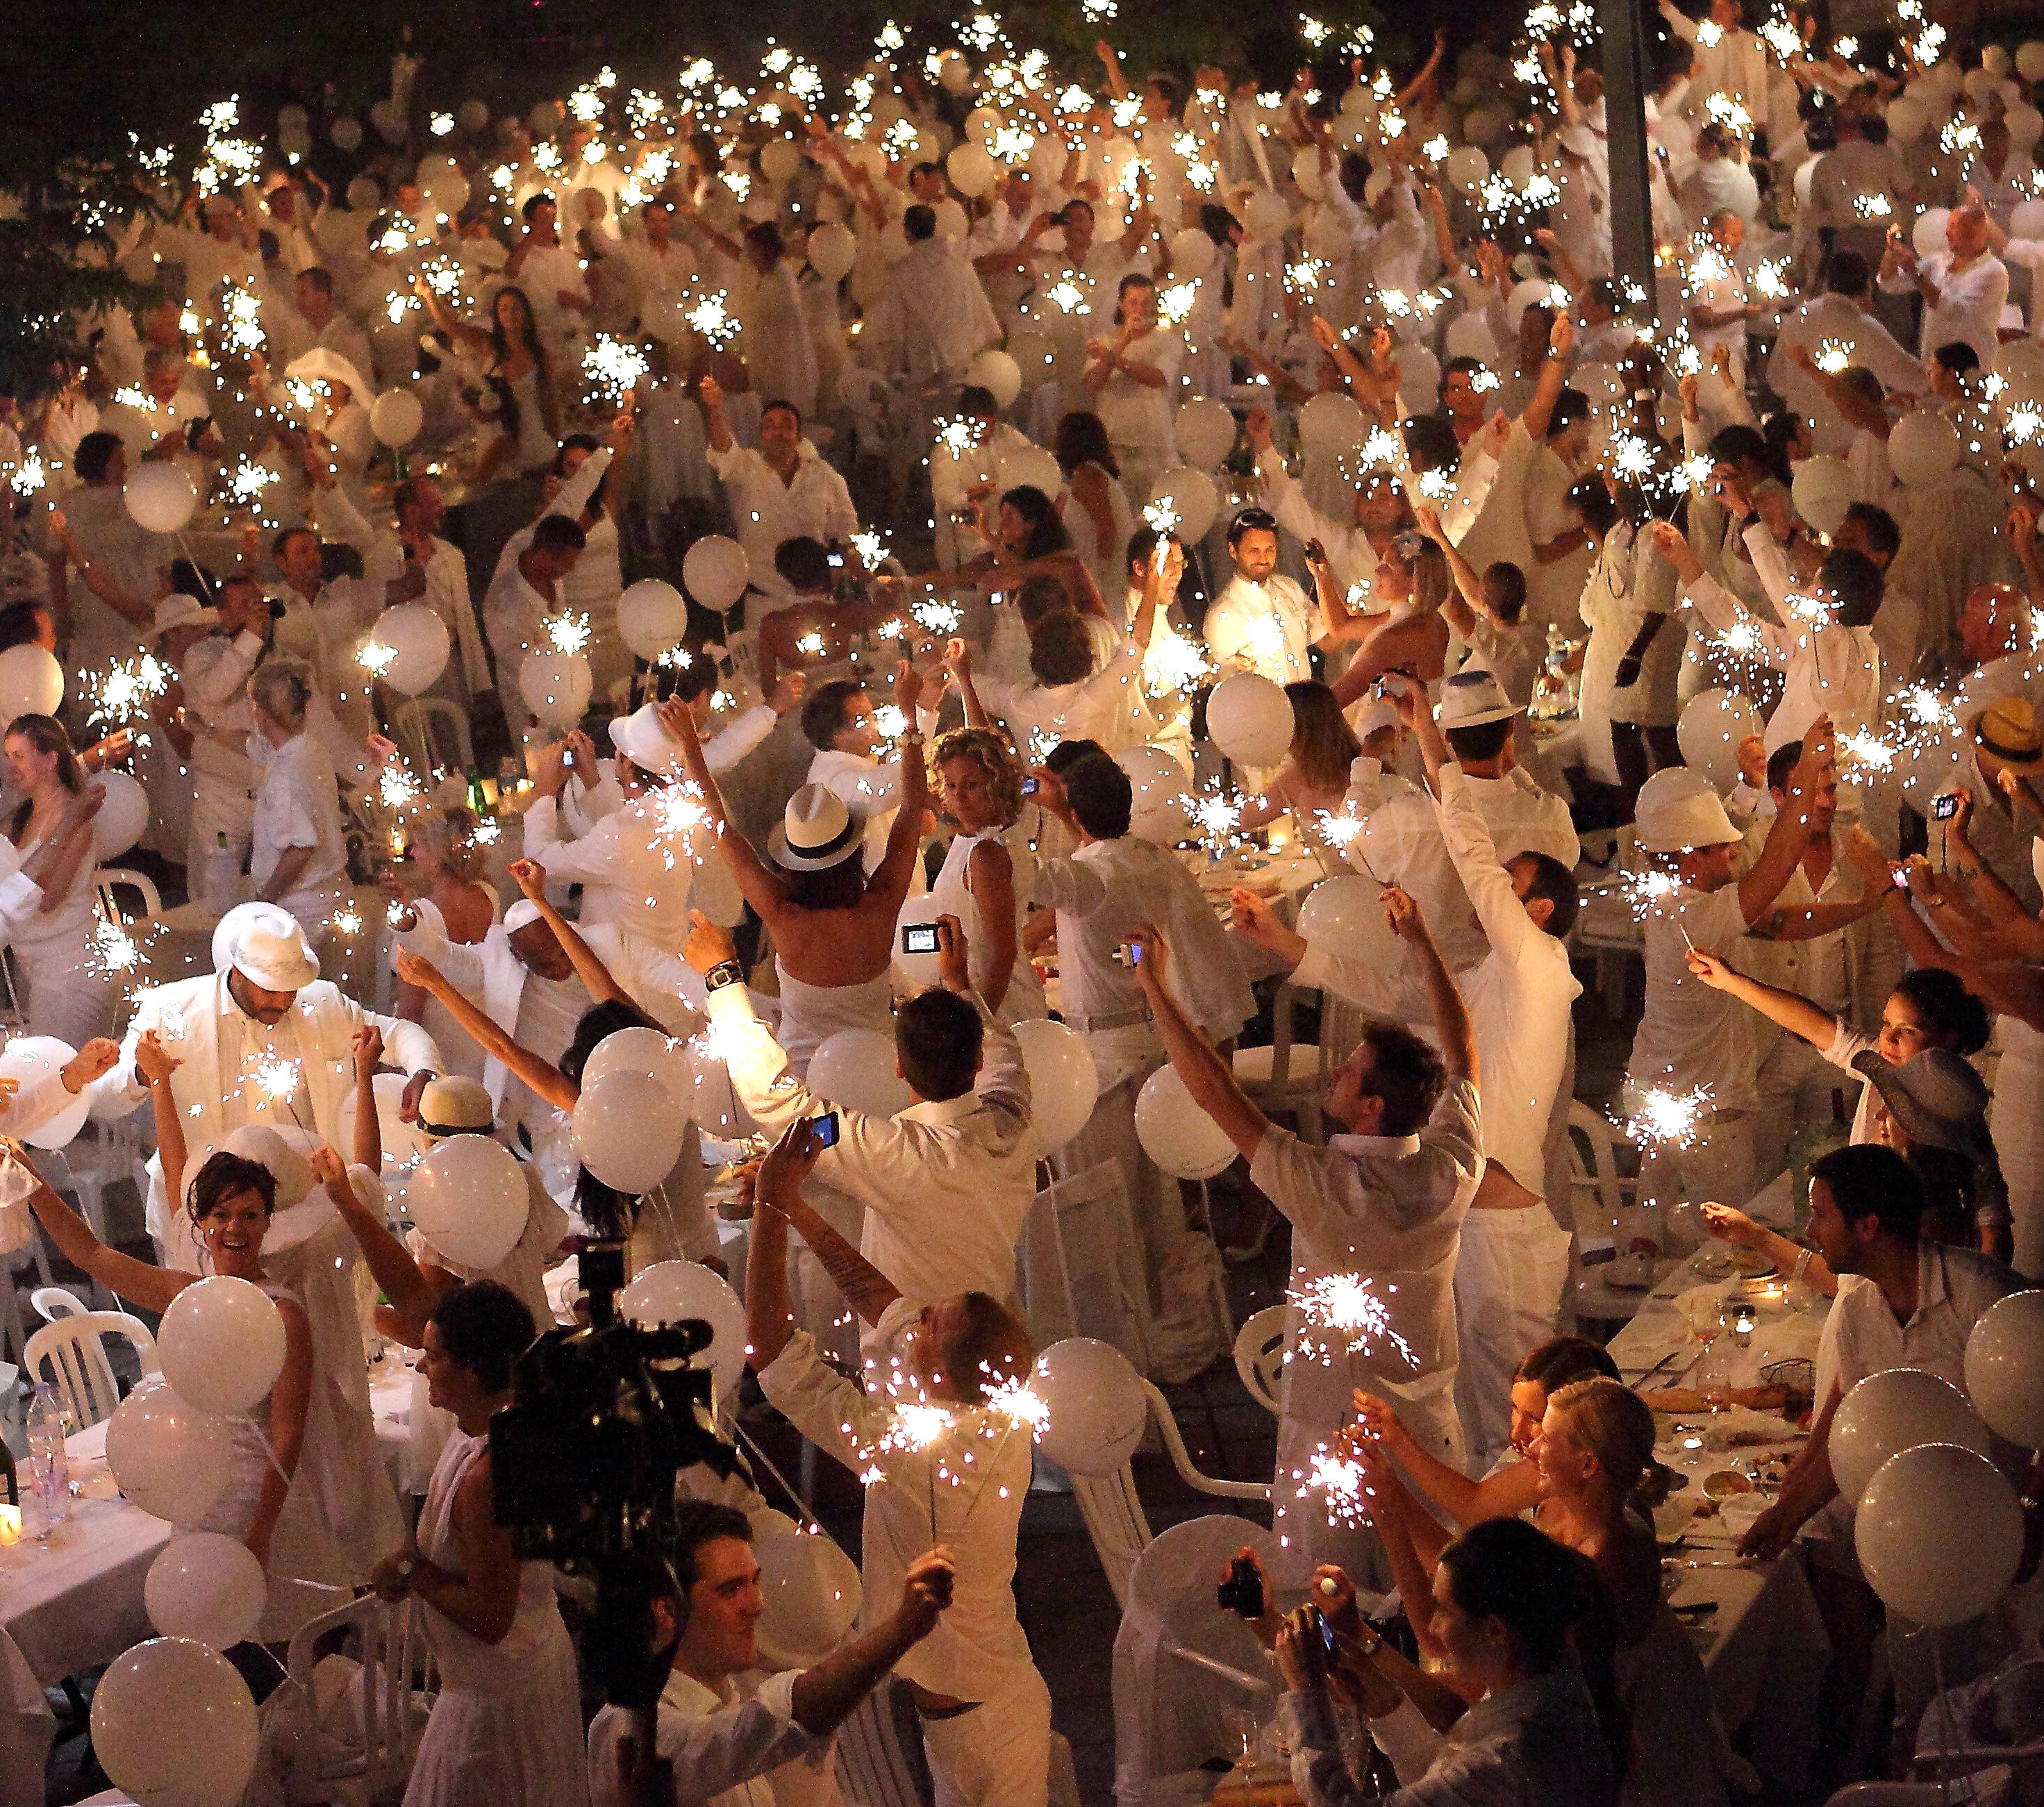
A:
(66, 997)
(1097, 511)
(297, 856)
(1633, 659)
(506, 1726)
(516, 397)
(449, 866)
(979, 789)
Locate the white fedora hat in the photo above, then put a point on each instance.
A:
(455, 1105)
(641, 737)
(1678, 810)
(266, 945)
(817, 831)
(1473, 696)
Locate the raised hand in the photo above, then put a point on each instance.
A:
(368, 1050)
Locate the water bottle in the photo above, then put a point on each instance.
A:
(49, 1468)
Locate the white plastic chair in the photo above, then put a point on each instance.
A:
(1180, 1662)
(1600, 1196)
(104, 1152)
(1259, 1355)
(109, 879)
(78, 1370)
(395, 1694)
(433, 732)
(1287, 1077)
(873, 1769)
(56, 1302)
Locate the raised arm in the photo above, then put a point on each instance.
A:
(1784, 1009)
(1451, 1019)
(411, 1289)
(756, 882)
(140, 1282)
(597, 979)
(1466, 604)
(889, 884)
(778, 1189)
(1553, 368)
(542, 1076)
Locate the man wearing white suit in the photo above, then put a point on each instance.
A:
(263, 1039)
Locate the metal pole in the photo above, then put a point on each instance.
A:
(1625, 85)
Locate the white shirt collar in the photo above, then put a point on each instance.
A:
(1375, 1147)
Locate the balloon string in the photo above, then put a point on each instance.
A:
(787, 1486)
(269, 1448)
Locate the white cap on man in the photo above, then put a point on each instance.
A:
(1678, 810)
(1473, 696)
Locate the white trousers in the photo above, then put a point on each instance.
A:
(999, 1754)
(1509, 1274)
(1718, 1165)
(2018, 1137)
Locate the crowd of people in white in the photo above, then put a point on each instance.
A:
(875, 554)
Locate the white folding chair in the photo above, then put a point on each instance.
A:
(873, 1769)
(78, 1370)
(1259, 1355)
(398, 1683)
(1115, 1522)
(1600, 1197)
(432, 731)
(103, 1153)
(1287, 1077)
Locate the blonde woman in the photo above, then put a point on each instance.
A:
(457, 903)
(297, 858)
(978, 783)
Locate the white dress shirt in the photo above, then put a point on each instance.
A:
(1840, 319)
(721, 1745)
(1968, 304)
(946, 1184)
(814, 505)
(1690, 1034)
(635, 874)
(1139, 416)
(1954, 1289)
(931, 317)
(447, 593)
(298, 805)
(1267, 628)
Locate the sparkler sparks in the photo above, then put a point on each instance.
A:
(569, 631)
(614, 366)
(1338, 1478)
(1666, 1119)
(712, 318)
(1349, 1316)
(375, 658)
(125, 693)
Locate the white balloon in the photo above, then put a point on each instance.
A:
(715, 571)
(1418, 378)
(1485, 124)
(174, 1725)
(652, 617)
(472, 116)
(1468, 337)
(2030, 61)
(1346, 915)
(810, 1589)
(1709, 729)
(405, 1145)
(31, 681)
(122, 818)
(1518, 165)
(389, 122)
(628, 1130)
(994, 369)
(833, 249)
(1306, 174)
(951, 222)
(2026, 126)
(1192, 252)
(971, 170)
(954, 72)
(28, 1059)
(854, 1068)
(1192, 499)
(1031, 468)
(1939, 1533)
(982, 123)
(669, 1291)
(1205, 430)
(221, 1344)
(346, 133)
(648, 1052)
(206, 1587)
(170, 1459)
(1097, 1409)
(779, 159)
(1267, 215)
(1159, 783)
(1893, 1410)
(1466, 167)
(160, 497)
(1923, 447)
(396, 416)
(1908, 118)
(1249, 718)
(1823, 490)
(1175, 1133)
(556, 686)
(1927, 235)
(469, 1199)
(1063, 1083)
(415, 632)
(2024, 221)
(2005, 1368)
(1331, 424)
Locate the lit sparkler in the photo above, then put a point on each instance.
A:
(1350, 1316)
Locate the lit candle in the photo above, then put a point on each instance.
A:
(11, 1525)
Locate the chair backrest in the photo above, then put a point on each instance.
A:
(1195, 1478)
(1115, 1521)
(56, 1302)
(397, 1674)
(434, 733)
(1593, 1160)
(1341, 1029)
(108, 879)
(1259, 1355)
(873, 1769)
(1282, 1045)
(1082, 1264)
(72, 1351)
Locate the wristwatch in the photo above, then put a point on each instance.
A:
(725, 973)
(406, 1565)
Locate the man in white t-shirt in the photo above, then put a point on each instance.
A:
(1262, 621)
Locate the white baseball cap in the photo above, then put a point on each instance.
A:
(522, 914)
(1473, 696)
(266, 945)
(1678, 810)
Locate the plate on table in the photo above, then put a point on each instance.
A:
(1724, 1264)
(1723, 1484)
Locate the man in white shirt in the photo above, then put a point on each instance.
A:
(931, 317)
(782, 491)
(1719, 180)
(1902, 1302)
(1727, 59)
(1963, 286)
(319, 324)
(712, 1741)
(1380, 1207)
(837, 721)
(1690, 1043)
(1403, 845)
(1262, 621)
(551, 278)
(1841, 315)
(1720, 313)
(522, 595)
(985, 1713)
(1133, 376)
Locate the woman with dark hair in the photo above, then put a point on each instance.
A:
(1633, 659)
(1522, 1620)
(518, 379)
(66, 997)
(1098, 514)
(1929, 1013)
